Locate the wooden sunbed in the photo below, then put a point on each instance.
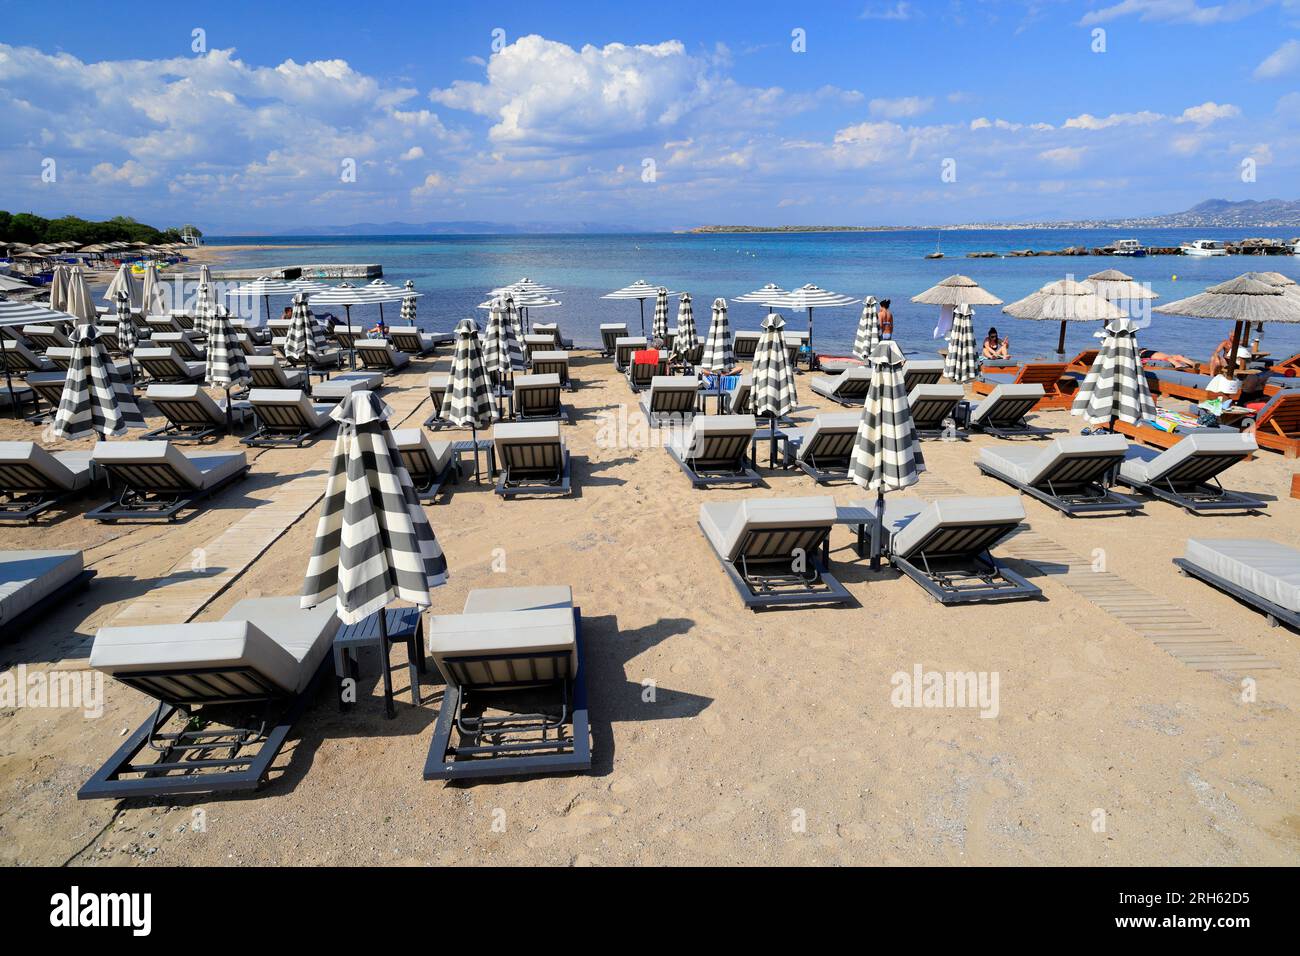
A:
(1278, 425)
(1046, 374)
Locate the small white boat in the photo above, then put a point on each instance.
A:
(1127, 247)
(1295, 250)
(1203, 247)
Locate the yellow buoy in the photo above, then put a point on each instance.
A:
(1174, 278)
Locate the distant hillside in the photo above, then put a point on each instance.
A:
(1247, 213)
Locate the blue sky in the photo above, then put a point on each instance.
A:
(659, 115)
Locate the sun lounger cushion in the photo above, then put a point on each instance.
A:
(381, 353)
(521, 433)
(482, 600)
(21, 357)
(686, 441)
(341, 386)
(1028, 464)
(501, 634)
(415, 439)
(312, 413)
(923, 367)
(197, 469)
(660, 388)
(1145, 465)
(726, 523)
(1001, 393)
(59, 471)
(192, 395)
(27, 577)
(1265, 568)
(910, 521)
(275, 637)
(823, 424)
(182, 369)
(829, 387)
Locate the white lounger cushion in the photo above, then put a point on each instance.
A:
(183, 368)
(313, 414)
(827, 423)
(504, 621)
(924, 393)
(1027, 464)
(415, 439)
(374, 348)
(517, 433)
(535, 382)
(551, 356)
(199, 469)
(829, 387)
(686, 442)
(909, 521)
(1145, 465)
(341, 386)
(63, 470)
(273, 636)
(286, 377)
(725, 522)
(1001, 392)
(1265, 568)
(160, 392)
(27, 577)
(923, 365)
(482, 600)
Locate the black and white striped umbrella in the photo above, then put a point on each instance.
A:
(868, 329)
(204, 305)
(639, 290)
(774, 394)
(962, 363)
(1116, 387)
(719, 354)
(769, 295)
(128, 337)
(408, 303)
(96, 398)
(687, 339)
(468, 402)
(887, 452)
(811, 297)
(305, 341)
(227, 365)
(373, 540)
(659, 324)
(502, 356)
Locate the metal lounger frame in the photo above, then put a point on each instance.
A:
(554, 412)
(954, 566)
(830, 466)
(773, 582)
(556, 752)
(1079, 494)
(529, 480)
(183, 427)
(731, 469)
(48, 604)
(1189, 487)
(1274, 613)
(172, 773)
(159, 501)
(420, 465)
(23, 495)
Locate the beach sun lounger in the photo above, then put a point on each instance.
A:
(164, 365)
(285, 416)
(944, 545)
(341, 386)
(430, 464)
(552, 363)
(823, 449)
(559, 342)
(537, 398)
(847, 388)
(1264, 574)
(34, 583)
(1070, 474)
(347, 336)
(715, 450)
(162, 324)
(157, 480)
(516, 696)
(1277, 425)
(60, 356)
(45, 337)
(1047, 374)
(745, 344)
(672, 399)
(1187, 474)
(773, 549)
(19, 359)
(1002, 413)
(262, 662)
(33, 480)
(641, 374)
(378, 354)
(610, 333)
(267, 372)
(934, 409)
(438, 385)
(739, 399)
(409, 339)
(624, 346)
(918, 372)
(48, 387)
(191, 414)
(183, 344)
(532, 459)
(537, 342)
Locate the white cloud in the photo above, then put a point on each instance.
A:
(433, 182)
(1172, 11)
(901, 107)
(1065, 157)
(415, 152)
(130, 172)
(1207, 113)
(1090, 122)
(901, 10)
(1285, 59)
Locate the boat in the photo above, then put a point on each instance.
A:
(1203, 247)
(938, 253)
(1127, 247)
(1295, 249)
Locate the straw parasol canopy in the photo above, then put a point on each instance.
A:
(1116, 387)
(1065, 300)
(1242, 300)
(1114, 286)
(373, 541)
(957, 290)
(962, 363)
(96, 397)
(868, 329)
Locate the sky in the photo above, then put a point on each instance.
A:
(252, 118)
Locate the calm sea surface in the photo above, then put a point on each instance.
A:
(455, 273)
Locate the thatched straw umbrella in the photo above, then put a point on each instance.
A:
(957, 290)
(1065, 300)
(1118, 286)
(1242, 300)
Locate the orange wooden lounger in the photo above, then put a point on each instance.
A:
(1046, 374)
(1277, 425)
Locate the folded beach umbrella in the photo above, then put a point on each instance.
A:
(305, 340)
(639, 290)
(59, 288)
(203, 303)
(868, 328)
(13, 316)
(719, 354)
(79, 301)
(151, 294)
(122, 281)
(1065, 300)
(769, 296)
(127, 335)
(468, 401)
(659, 325)
(887, 453)
(1115, 387)
(687, 339)
(409, 295)
(774, 394)
(1243, 301)
(96, 398)
(962, 363)
(811, 297)
(513, 316)
(502, 356)
(373, 540)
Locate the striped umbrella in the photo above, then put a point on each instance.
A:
(812, 297)
(659, 324)
(514, 318)
(774, 393)
(502, 355)
(96, 398)
(468, 402)
(769, 295)
(687, 339)
(227, 365)
(305, 340)
(639, 290)
(409, 296)
(868, 329)
(1115, 387)
(373, 540)
(887, 453)
(719, 354)
(203, 304)
(127, 336)
(962, 363)
(151, 294)
(122, 281)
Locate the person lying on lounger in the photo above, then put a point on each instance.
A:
(1180, 362)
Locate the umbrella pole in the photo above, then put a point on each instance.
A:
(1060, 341)
(771, 452)
(352, 345)
(876, 530)
(1232, 355)
(641, 302)
(473, 435)
(9, 384)
(811, 364)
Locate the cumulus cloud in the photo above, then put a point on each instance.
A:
(1285, 59)
(901, 10)
(901, 107)
(1208, 112)
(1172, 11)
(1065, 157)
(1088, 121)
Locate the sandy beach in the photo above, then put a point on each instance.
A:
(720, 736)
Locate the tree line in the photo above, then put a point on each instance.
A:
(33, 229)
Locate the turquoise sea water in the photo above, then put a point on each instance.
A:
(455, 273)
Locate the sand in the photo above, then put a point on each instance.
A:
(770, 738)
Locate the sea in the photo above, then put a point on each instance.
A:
(456, 272)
